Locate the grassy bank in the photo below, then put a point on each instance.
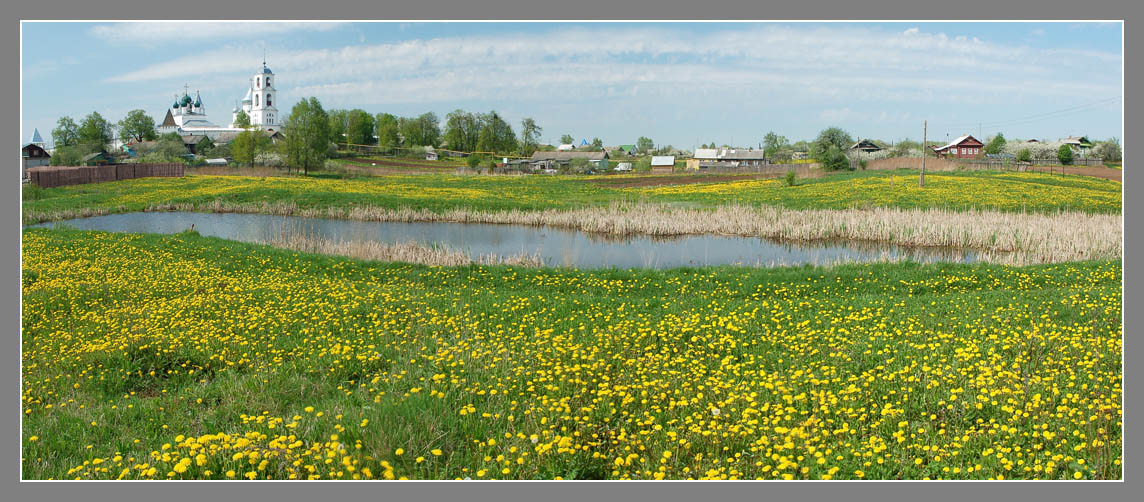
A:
(1011, 192)
(187, 357)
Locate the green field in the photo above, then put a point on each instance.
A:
(180, 356)
(1002, 191)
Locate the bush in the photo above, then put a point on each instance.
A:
(833, 159)
(473, 161)
(1024, 155)
(1065, 154)
(579, 166)
(643, 165)
(791, 178)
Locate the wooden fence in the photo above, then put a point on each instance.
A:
(55, 176)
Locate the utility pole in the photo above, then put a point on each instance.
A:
(922, 179)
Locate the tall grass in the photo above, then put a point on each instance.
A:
(408, 252)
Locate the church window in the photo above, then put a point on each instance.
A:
(255, 100)
(267, 81)
(258, 83)
(268, 99)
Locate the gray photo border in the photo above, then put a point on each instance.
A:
(10, 441)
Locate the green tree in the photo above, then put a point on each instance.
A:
(567, 139)
(307, 134)
(430, 129)
(833, 158)
(830, 137)
(1065, 155)
(387, 131)
(248, 145)
(995, 145)
(339, 124)
(644, 145)
(66, 133)
(137, 126)
(772, 142)
(496, 135)
(359, 127)
(462, 129)
(95, 132)
(1024, 155)
(597, 144)
(242, 120)
(67, 155)
(529, 136)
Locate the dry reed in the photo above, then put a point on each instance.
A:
(409, 252)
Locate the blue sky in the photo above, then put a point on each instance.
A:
(677, 83)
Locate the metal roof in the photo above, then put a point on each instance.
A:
(957, 141)
(569, 155)
(663, 160)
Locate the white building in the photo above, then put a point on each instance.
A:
(188, 116)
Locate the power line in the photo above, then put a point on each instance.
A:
(1039, 116)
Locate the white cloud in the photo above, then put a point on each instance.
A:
(833, 63)
(161, 31)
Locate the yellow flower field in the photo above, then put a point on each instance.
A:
(182, 357)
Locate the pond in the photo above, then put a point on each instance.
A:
(557, 247)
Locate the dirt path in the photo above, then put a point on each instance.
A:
(1107, 173)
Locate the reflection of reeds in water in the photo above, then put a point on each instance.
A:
(996, 237)
(409, 252)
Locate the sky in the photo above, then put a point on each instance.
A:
(682, 84)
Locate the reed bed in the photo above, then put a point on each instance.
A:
(1010, 238)
(409, 252)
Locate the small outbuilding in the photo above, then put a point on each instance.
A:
(865, 145)
(662, 164)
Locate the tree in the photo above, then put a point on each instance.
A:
(996, 144)
(597, 144)
(772, 142)
(67, 155)
(529, 136)
(387, 138)
(66, 133)
(307, 135)
(496, 135)
(1065, 154)
(339, 123)
(242, 120)
(168, 147)
(830, 137)
(1108, 151)
(644, 144)
(95, 131)
(462, 130)
(567, 139)
(138, 126)
(248, 145)
(833, 158)
(359, 127)
(430, 129)
(1024, 155)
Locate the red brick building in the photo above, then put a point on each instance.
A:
(965, 147)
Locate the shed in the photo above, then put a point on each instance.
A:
(865, 145)
(549, 160)
(662, 164)
(95, 159)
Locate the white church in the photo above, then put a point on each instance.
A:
(188, 116)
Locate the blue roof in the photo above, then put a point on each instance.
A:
(36, 136)
(266, 70)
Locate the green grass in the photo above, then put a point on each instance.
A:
(1002, 191)
(736, 372)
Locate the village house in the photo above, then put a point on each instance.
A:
(553, 160)
(965, 147)
(33, 155)
(1080, 144)
(726, 158)
(865, 145)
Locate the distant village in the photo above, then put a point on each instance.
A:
(185, 134)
